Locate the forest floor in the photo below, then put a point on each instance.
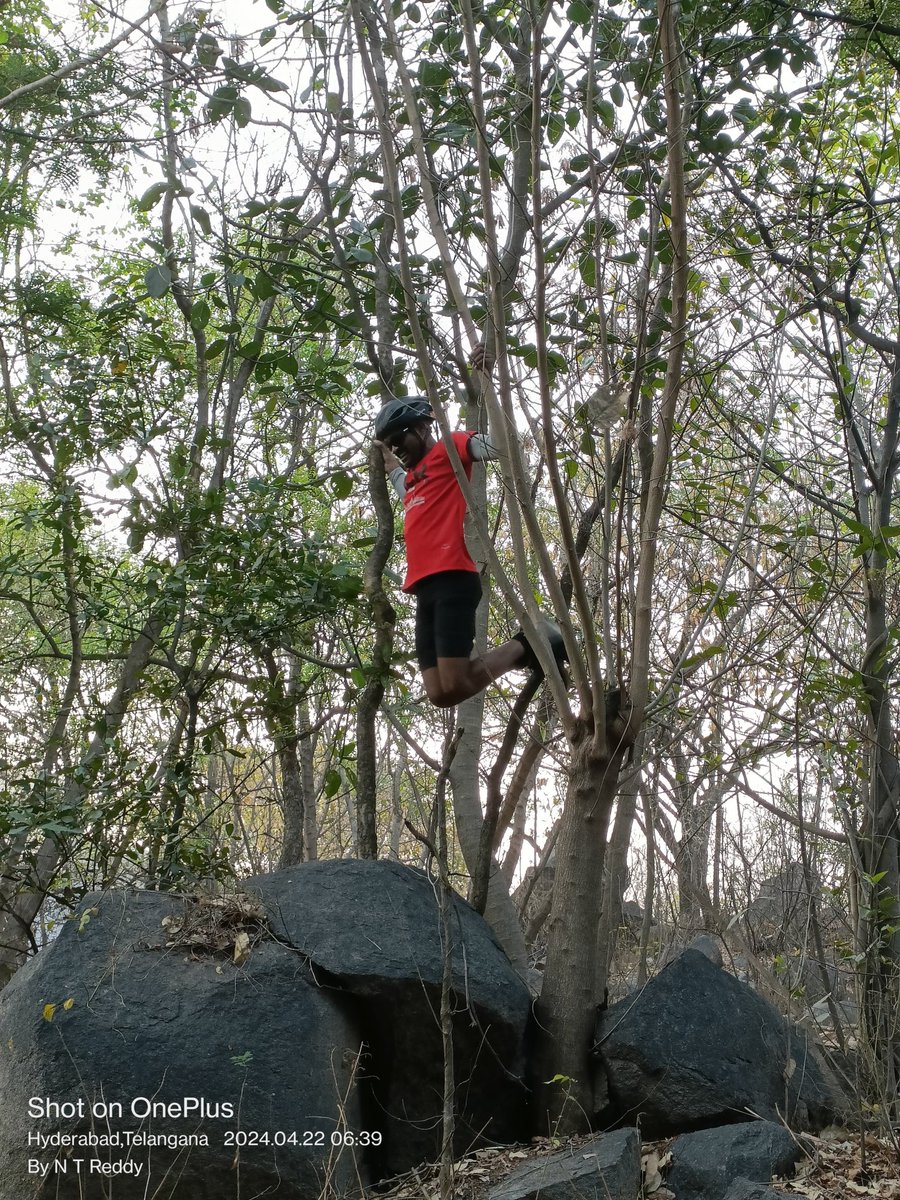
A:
(835, 1166)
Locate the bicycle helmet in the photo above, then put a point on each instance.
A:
(397, 415)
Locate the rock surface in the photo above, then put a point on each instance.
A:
(271, 1047)
(696, 1048)
(372, 929)
(710, 1164)
(151, 1025)
(745, 1189)
(609, 1168)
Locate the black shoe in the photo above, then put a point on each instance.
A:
(554, 636)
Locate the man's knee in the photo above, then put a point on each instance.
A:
(449, 684)
(441, 696)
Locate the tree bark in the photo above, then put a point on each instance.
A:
(567, 1009)
(880, 840)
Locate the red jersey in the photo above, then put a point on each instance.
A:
(434, 511)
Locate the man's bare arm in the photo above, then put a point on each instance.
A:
(393, 468)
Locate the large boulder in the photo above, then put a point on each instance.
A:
(372, 929)
(746, 1189)
(177, 1043)
(715, 1164)
(696, 1047)
(608, 1168)
(299, 1049)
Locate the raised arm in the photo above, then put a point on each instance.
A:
(393, 468)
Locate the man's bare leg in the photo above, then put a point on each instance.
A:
(456, 679)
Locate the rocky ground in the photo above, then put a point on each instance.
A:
(837, 1166)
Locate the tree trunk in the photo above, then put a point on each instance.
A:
(307, 746)
(879, 842)
(567, 1010)
(383, 617)
(500, 912)
(615, 875)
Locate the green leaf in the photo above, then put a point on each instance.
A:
(359, 254)
(201, 218)
(636, 208)
(341, 485)
(580, 12)
(858, 528)
(242, 112)
(288, 364)
(434, 74)
(158, 280)
(264, 286)
(200, 314)
(606, 112)
(208, 50)
(152, 197)
(266, 83)
(221, 102)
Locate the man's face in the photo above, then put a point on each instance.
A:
(409, 445)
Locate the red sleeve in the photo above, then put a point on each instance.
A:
(462, 445)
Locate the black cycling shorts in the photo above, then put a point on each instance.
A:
(445, 616)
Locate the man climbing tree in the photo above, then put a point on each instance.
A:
(440, 571)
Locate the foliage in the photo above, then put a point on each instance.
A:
(222, 248)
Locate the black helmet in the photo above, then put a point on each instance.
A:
(400, 414)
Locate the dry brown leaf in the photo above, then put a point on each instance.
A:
(241, 947)
(650, 1164)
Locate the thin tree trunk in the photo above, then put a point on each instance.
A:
(649, 888)
(308, 773)
(381, 610)
(567, 1009)
(615, 876)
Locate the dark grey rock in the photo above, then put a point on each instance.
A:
(704, 943)
(745, 1189)
(709, 1164)
(696, 1047)
(373, 923)
(608, 1168)
(150, 1024)
(373, 930)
